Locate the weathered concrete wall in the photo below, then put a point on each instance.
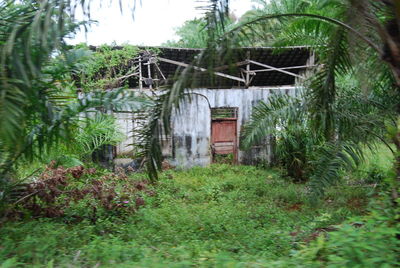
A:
(191, 133)
(125, 121)
(192, 125)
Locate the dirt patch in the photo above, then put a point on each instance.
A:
(294, 207)
(356, 203)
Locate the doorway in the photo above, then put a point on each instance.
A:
(224, 134)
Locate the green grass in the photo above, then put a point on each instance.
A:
(220, 216)
(380, 157)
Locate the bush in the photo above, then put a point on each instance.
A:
(294, 148)
(366, 241)
(77, 194)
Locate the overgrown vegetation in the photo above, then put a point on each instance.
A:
(108, 67)
(349, 100)
(59, 209)
(39, 107)
(75, 195)
(218, 216)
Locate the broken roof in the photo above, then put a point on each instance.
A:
(243, 67)
(263, 64)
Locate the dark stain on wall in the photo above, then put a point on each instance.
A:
(251, 157)
(188, 144)
(173, 146)
(178, 143)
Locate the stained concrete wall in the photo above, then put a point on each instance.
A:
(192, 125)
(190, 142)
(126, 123)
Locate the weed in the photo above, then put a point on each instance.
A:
(222, 215)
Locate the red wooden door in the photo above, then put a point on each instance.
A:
(224, 137)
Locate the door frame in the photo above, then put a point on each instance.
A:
(221, 119)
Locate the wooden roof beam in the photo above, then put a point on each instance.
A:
(240, 63)
(202, 69)
(275, 69)
(285, 68)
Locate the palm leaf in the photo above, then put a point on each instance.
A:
(331, 160)
(269, 118)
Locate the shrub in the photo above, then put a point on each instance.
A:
(74, 193)
(294, 148)
(365, 241)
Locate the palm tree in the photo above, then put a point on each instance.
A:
(339, 119)
(38, 104)
(350, 39)
(331, 27)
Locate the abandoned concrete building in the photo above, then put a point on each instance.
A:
(208, 126)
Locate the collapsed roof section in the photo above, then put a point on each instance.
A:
(240, 67)
(243, 67)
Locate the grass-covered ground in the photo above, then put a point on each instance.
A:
(227, 216)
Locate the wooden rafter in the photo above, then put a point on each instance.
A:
(201, 69)
(236, 64)
(275, 69)
(247, 74)
(284, 68)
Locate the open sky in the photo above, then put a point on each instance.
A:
(153, 23)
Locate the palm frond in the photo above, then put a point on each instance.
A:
(263, 18)
(11, 101)
(170, 100)
(63, 121)
(269, 118)
(330, 160)
(96, 131)
(322, 85)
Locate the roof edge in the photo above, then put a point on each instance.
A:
(201, 49)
